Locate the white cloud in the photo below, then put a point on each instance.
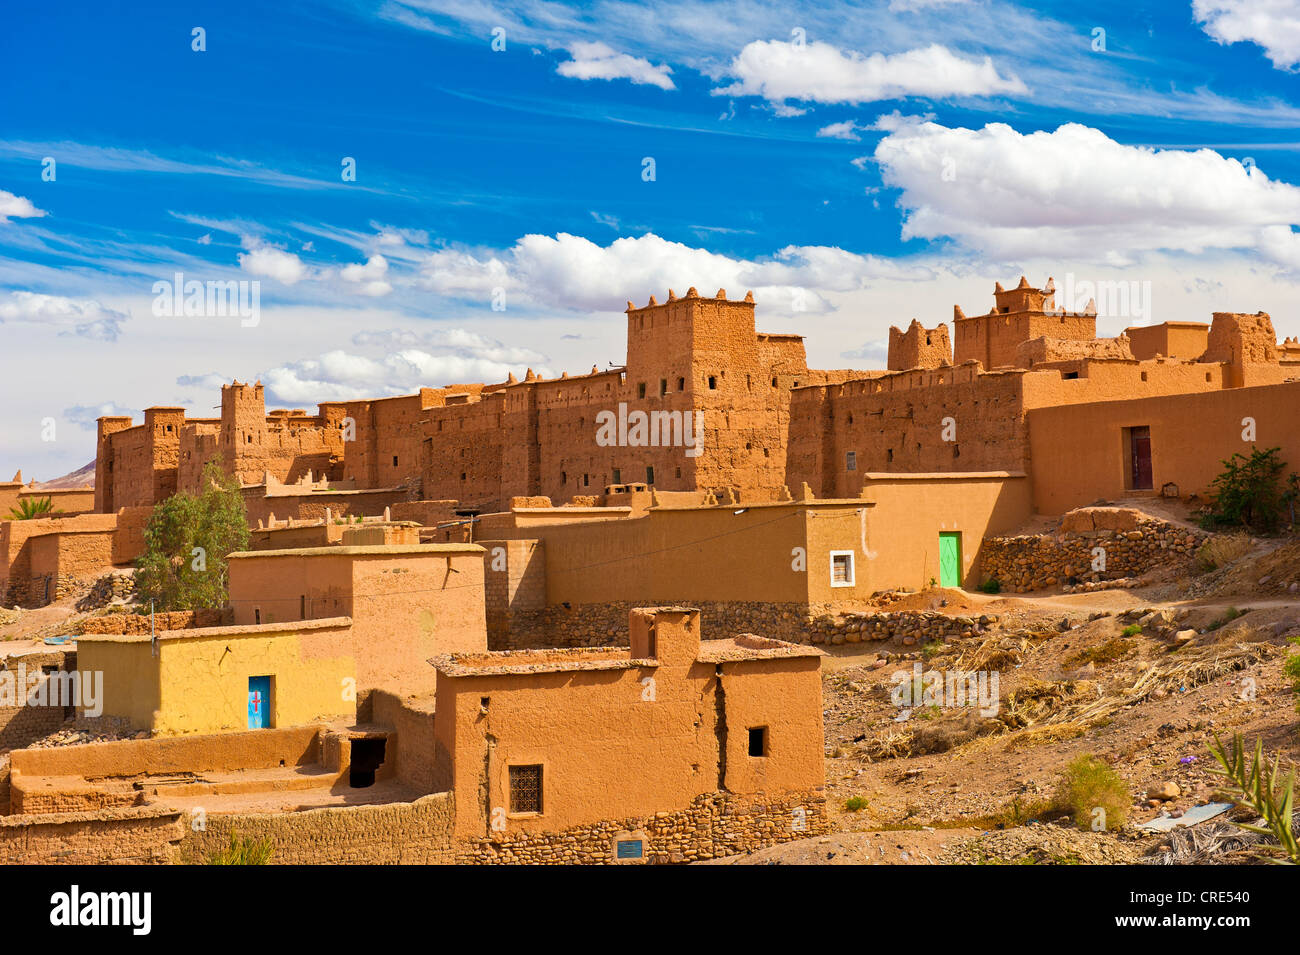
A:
(84, 317)
(369, 276)
(85, 416)
(599, 61)
(267, 260)
(846, 130)
(340, 375)
(1271, 24)
(568, 271)
(17, 207)
(823, 73)
(1081, 194)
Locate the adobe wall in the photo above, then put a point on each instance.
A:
(62, 562)
(1079, 451)
(129, 836)
(133, 623)
(22, 723)
(583, 724)
(1131, 544)
(918, 347)
(413, 752)
(896, 423)
(68, 501)
(1183, 340)
(312, 505)
(911, 511)
(17, 540)
(675, 555)
(406, 606)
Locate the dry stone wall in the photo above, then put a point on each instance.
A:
(1130, 547)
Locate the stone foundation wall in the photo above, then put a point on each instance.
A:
(598, 625)
(908, 627)
(715, 825)
(21, 723)
(1033, 562)
(414, 833)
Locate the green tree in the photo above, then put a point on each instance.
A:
(30, 507)
(186, 542)
(1249, 491)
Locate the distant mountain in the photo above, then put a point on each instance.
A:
(82, 477)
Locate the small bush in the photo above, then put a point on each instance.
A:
(1229, 615)
(244, 852)
(1292, 669)
(1132, 630)
(855, 803)
(1090, 784)
(991, 586)
(1249, 492)
(1220, 550)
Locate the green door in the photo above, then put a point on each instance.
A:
(950, 560)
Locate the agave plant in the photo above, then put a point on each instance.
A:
(30, 507)
(1261, 787)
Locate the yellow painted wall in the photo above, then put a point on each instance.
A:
(198, 683)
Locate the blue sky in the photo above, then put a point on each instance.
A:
(857, 165)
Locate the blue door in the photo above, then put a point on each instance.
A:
(259, 702)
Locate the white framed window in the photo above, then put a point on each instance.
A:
(851, 461)
(842, 568)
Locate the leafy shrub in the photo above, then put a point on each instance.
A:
(855, 803)
(183, 566)
(1089, 784)
(1261, 787)
(28, 508)
(1249, 492)
(1132, 630)
(991, 586)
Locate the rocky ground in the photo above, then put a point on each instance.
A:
(961, 786)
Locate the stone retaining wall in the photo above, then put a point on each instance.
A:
(1033, 562)
(908, 627)
(715, 825)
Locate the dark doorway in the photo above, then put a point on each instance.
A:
(367, 757)
(1139, 452)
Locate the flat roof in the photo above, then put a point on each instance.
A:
(750, 646)
(373, 550)
(939, 475)
(521, 662)
(245, 630)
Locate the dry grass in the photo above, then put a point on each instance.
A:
(1220, 550)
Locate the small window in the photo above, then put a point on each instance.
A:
(773, 382)
(1071, 375)
(681, 384)
(851, 461)
(618, 476)
(525, 788)
(394, 460)
(758, 741)
(889, 454)
(586, 480)
(649, 475)
(640, 389)
(663, 386)
(842, 568)
(302, 607)
(713, 381)
(257, 615)
(564, 477)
